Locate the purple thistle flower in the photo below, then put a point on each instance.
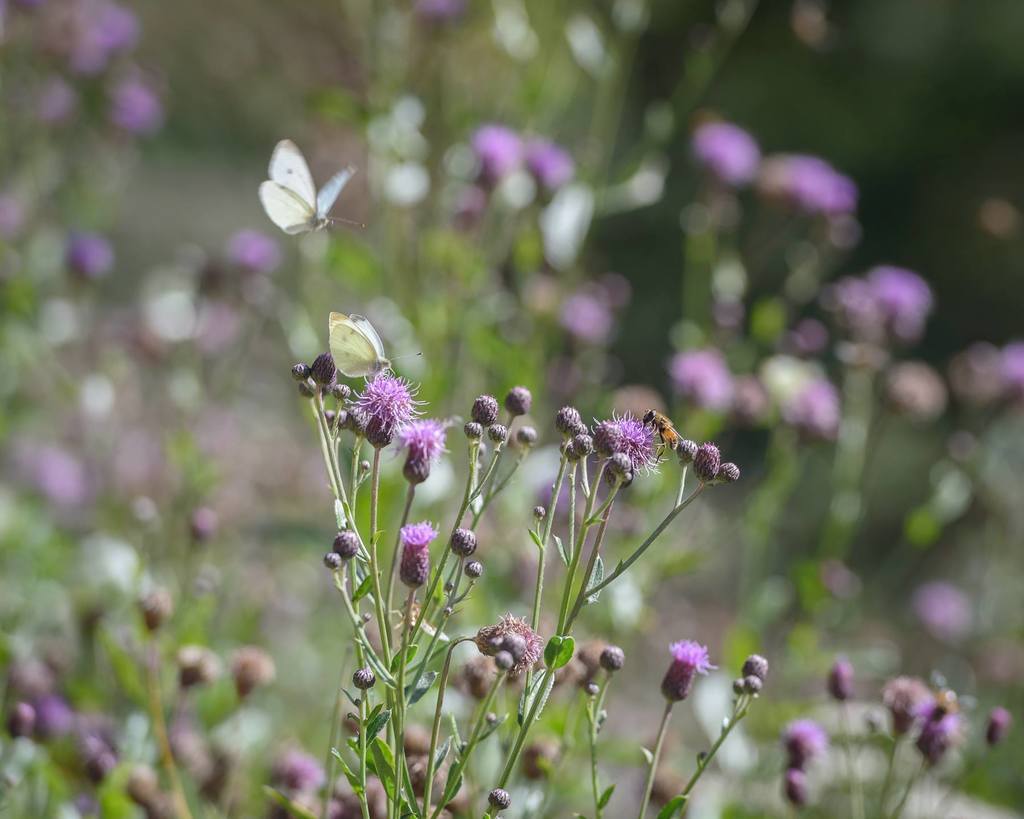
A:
(414, 569)
(424, 442)
(54, 717)
(689, 658)
(1012, 368)
(99, 30)
(702, 377)
(254, 251)
(904, 300)
(388, 403)
(943, 609)
(298, 771)
(550, 164)
(586, 316)
(728, 151)
(90, 255)
(135, 106)
(903, 697)
(810, 183)
(627, 435)
(940, 730)
(795, 786)
(804, 739)
(56, 101)
(499, 150)
(56, 474)
(814, 410)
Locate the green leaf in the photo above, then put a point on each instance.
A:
(536, 539)
(293, 808)
(350, 775)
(351, 699)
(442, 752)
(595, 578)
(559, 651)
(363, 590)
(451, 787)
(674, 806)
(414, 695)
(384, 765)
(561, 550)
(376, 722)
(606, 796)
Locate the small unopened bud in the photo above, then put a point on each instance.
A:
(612, 658)
(332, 560)
(999, 722)
(620, 466)
(22, 720)
(539, 513)
(504, 660)
(143, 786)
(463, 542)
(582, 445)
(322, 370)
(752, 684)
(251, 667)
(473, 431)
(416, 470)
(755, 665)
(579, 428)
(485, 410)
(526, 436)
(364, 678)
(474, 569)
(795, 787)
(355, 422)
(499, 799)
(566, 419)
(706, 462)
(491, 718)
(197, 665)
(592, 689)
(346, 544)
(686, 449)
(840, 680)
(340, 392)
(447, 611)
(204, 524)
(306, 389)
(738, 686)
(518, 401)
(300, 372)
(497, 433)
(157, 606)
(364, 467)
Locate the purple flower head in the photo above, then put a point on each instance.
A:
(689, 658)
(424, 439)
(298, 771)
(439, 11)
(904, 300)
(944, 610)
(100, 29)
(254, 251)
(135, 106)
(499, 151)
(808, 338)
(418, 536)
(702, 377)
(903, 697)
(587, 316)
(388, 403)
(56, 101)
(414, 569)
(804, 739)
(940, 730)
(1012, 369)
(631, 437)
(54, 717)
(89, 255)
(56, 474)
(814, 410)
(810, 183)
(550, 164)
(728, 151)
(12, 216)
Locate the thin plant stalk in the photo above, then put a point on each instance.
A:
(594, 716)
(739, 711)
(436, 728)
(595, 553)
(556, 489)
(330, 763)
(156, 713)
(890, 770)
(649, 784)
(378, 597)
(910, 786)
(400, 700)
(856, 793)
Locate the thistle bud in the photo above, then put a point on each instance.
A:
(592, 689)
(416, 470)
(473, 431)
(755, 666)
(612, 658)
(539, 513)
(485, 410)
(22, 720)
(346, 544)
(497, 433)
(526, 436)
(364, 678)
(518, 401)
(706, 462)
(686, 449)
(582, 445)
(474, 569)
(752, 684)
(143, 787)
(566, 420)
(795, 787)
(619, 466)
(157, 606)
(688, 660)
(340, 392)
(203, 524)
(999, 721)
(300, 372)
(355, 421)
(499, 799)
(322, 370)
(728, 473)
(378, 433)
(840, 680)
(738, 686)
(463, 542)
(197, 665)
(332, 560)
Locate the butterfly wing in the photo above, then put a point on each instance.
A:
(286, 209)
(362, 323)
(331, 190)
(288, 168)
(355, 352)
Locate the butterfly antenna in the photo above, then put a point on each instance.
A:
(406, 355)
(343, 221)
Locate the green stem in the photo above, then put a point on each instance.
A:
(577, 550)
(581, 597)
(400, 761)
(517, 746)
(496, 490)
(378, 597)
(887, 783)
(156, 714)
(594, 714)
(739, 711)
(556, 489)
(910, 786)
(364, 804)
(856, 793)
(436, 729)
(649, 784)
(330, 762)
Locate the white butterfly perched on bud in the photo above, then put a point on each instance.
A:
(290, 197)
(355, 346)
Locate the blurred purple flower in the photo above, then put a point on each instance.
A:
(616, 289)
(499, 150)
(903, 298)
(439, 11)
(814, 409)
(804, 739)
(587, 317)
(810, 183)
(254, 251)
(219, 325)
(550, 164)
(728, 151)
(1012, 368)
(298, 771)
(135, 106)
(424, 439)
(943, 609)
(100, 29)
(12, 216)
(54, 717)
(940, 730)
(56, 474)
(702, 377)
(89, 255)
(56, 101)
(808, 338)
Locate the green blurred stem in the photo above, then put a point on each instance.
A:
(379, 667)
(364, 804)
(699, 249)
(517, 747)
(156, 713)
(400, 761)
(378, 598)
(357, 448)
(894, 750)
(594, 718)
(649, 784)
(435, 731)
(856, 792)
(330, 764)
(595, 552)
(409, 495)
(490, 495)
(910, 786)
(739, 711)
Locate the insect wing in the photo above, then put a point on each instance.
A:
(288, 168)
(285, 208)
(331, 190)
(354, 352)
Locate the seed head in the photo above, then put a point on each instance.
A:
(506, 635)
(566, 419)
(504, 660)
(300, 372)
(322, 370)
(346, 544)
(612, 658)
(689, 658)
(706, 462)
(197, 665)
(157, 606)
(463, 542)
(518, 401)
(474, 569)
(499, 799)
(497, 433)
(364, 678)
(485, 410)
(251, 667)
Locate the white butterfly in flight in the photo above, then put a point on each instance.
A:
(290, 197)
(355, 346)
